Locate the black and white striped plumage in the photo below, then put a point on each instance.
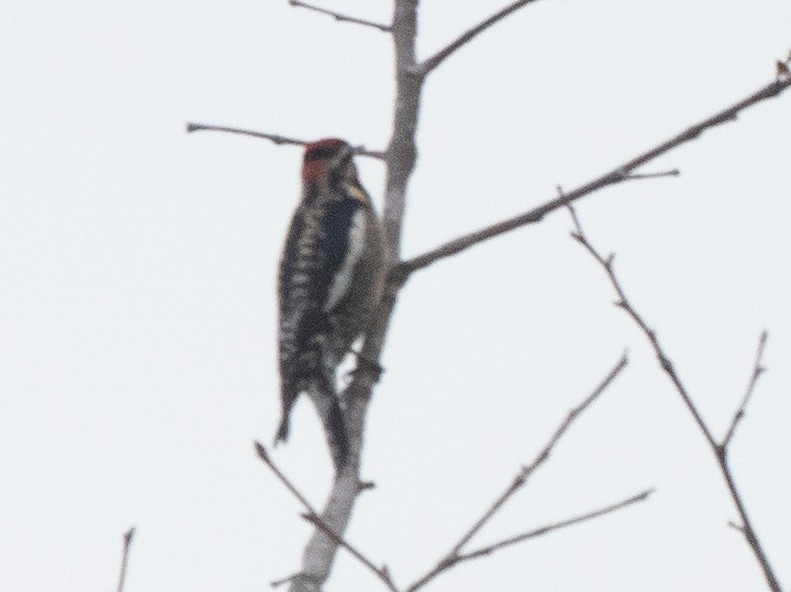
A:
(332, 273)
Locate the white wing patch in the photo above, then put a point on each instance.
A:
(343, 278)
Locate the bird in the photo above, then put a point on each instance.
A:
(330, 281)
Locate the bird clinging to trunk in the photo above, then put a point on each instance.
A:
(332, 273)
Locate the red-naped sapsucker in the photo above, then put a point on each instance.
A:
(332, 272)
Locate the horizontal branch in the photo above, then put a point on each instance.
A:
(274, 138)
(616, 175)
(341, 17)
(432, 62)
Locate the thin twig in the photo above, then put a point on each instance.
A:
(281, 581)
(640, 497)
(543, 455)
(274, 138)
(128, 536)
(342, 17)
(381, 572)
(432, 62)
(521, 477)
(758, 369)
(482, 551)
(615, 176)
(264, 456)
(623, 302)
(313, 517)
(720, 451)
(671, 173)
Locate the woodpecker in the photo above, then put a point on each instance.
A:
(332, 273)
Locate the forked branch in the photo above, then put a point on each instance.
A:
(719, 450)
(314, 518)
(455, 555)
(617, 175)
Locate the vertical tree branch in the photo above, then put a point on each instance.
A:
(400, 163)
(401, 152)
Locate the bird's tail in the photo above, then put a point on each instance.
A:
(337, 437)
(332, 418)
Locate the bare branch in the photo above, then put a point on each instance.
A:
(617, 175)
(455, 560)
(640, 497)
(624, 303)
(128, 536)
(719, 450)
(735, 526)
(671, 173)
(401, 150)
(543, 455)
(313, 517)
(431, 63)
(341, 17)
(281, 581)
(275, 138)
(382, 573)
(758, 369)
(264, 456)
(521, 478)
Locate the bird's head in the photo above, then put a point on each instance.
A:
(329, 160)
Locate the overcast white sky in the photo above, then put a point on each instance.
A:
(137, 304)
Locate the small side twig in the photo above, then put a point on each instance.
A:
(281, 581)
(671, 173)
(519, 481)
(128, 536)
(342, 17)
(314, 518)
(758, 369)
(274, 138)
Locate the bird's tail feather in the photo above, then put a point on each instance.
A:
(332, 418)
(337, 437)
